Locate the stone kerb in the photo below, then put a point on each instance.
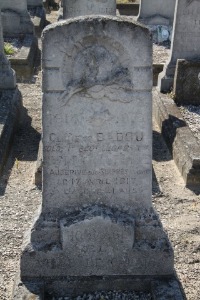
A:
(96, 217)
(156, 12)
(15, 17)
(185, 40)
(88, 7)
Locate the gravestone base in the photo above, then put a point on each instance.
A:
(24, 61)
(160, 288)
(97, 248)
(10, 109)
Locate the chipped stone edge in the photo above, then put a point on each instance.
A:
(98, 18)
(180, 139)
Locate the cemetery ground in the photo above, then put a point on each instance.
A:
(177, 206)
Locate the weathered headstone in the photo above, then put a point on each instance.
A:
(7, 75)
(185, 40)
(15, 17)
(96, 218)
(187, 82)
(156, 12)
(88, 7)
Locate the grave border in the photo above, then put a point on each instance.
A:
(178, 136)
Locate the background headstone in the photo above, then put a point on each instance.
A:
(187, 82)
(156, 12)
(185, 40)
(7, 75)
(96, 217)
(88, 7)
(15, 17)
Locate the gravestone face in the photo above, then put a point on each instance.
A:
(7, 75)
(15, 17)
(96, 215)
(185, 39)
(88, 7)
(96, 121)
(156, 12)
(187, 82)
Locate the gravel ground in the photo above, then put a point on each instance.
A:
(178, 206)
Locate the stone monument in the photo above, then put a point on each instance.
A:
(15, 17)
(187, 82)
(185, 40)
(156, 12)
(96, 228)
(7, 75)
(88, 7)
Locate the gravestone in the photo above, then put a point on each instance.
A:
(96, 217)
(187, 82)
(88, 7)
(15, 17)
(156, 12)
(7, 75)
(185, 40)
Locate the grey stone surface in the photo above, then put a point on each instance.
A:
(35, 2)
(88, 7)
(185, 40)
(187, 82)
(180, 139)
(109, 91)
(7, 75)
(96, 212)
(156, 12)
(15, 17)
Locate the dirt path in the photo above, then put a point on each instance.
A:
(178, 207)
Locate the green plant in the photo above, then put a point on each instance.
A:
(8, 49)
